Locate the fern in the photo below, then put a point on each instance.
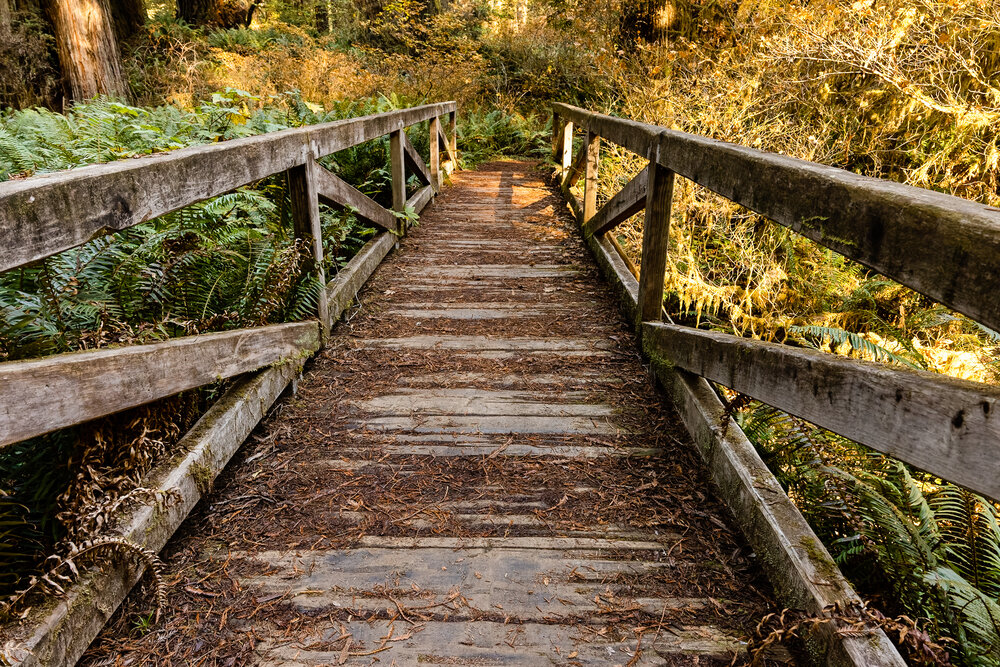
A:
(814, 336)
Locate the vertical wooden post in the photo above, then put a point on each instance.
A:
(453, 136)
(306, 222)
(555, 135)
(566, 147)
(655, 239)
(398, 176)
(435, 131)
(593, 148)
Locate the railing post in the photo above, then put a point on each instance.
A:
(306, 222)
(593, 148)
(435, 157)
(655, 239)
(453, 137)
(565, 148)
(555, 135)
(398, 176)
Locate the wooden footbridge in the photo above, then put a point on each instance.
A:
(475, 468)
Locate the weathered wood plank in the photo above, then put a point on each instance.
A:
(629, 201)
(57, 633)
(636, 137)
(305, 219)
(345, 285)
(421, 198)
(44, 215)
(655, 240)
(44, 395)
(396, 156)
(446, 143)
(797, 563)
(943, 425)
(335, 190)
(415, 162)
(592, 150)
(434, 129)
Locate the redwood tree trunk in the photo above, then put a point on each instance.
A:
(88, 49)
(128, 17)
(198, 12)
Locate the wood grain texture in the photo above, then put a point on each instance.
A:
(396, 157)
(630, 200)
(44, 215)
(592, 149)
(572, 174)
(946, 426)
(635, 136)
(655, 240)
(434, 129)
(44, 395)
(305, 219)
(336, 190)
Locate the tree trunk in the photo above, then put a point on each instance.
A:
(5, 10)
(198, 12)
(88, 50)
(128, 16)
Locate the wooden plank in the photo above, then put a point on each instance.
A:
(804, 574)
(44, 215)
(655, 240)
(943, 425)
(57, 634)
(434, 129)
(337, 191)
(421, 198)
(396, 153)
(414, 162)
(592, 150)
(636, 137)
(305, 218)
(565, 152)
(44, 395)
(629, 201)
(346, 284)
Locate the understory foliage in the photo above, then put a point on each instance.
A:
(227, 263)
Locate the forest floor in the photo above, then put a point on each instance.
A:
(476, 470)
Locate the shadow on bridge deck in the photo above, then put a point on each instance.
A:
(475, 471)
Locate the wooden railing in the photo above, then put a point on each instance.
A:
(47, 214)
(944, 247)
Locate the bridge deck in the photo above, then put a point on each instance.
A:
(475, 471)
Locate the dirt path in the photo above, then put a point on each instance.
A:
(476, 471)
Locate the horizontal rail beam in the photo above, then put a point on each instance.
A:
(629, 201)
(333, 189)
(46, 214)
(944, 247)
(943, 425)
(44, 395)
(421, 198)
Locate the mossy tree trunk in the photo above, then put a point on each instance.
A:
(198, 12)
(128, 16)
(88, 48)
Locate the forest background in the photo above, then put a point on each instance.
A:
(907, 90)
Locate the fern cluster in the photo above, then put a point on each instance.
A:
(932, 547)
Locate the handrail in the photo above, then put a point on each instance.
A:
(46, 214)
(948, 427)
(50, 213)
(944, 247)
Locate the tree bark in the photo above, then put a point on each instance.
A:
(128, 16)
(88, 49)
(198, 12)
(5, 10)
